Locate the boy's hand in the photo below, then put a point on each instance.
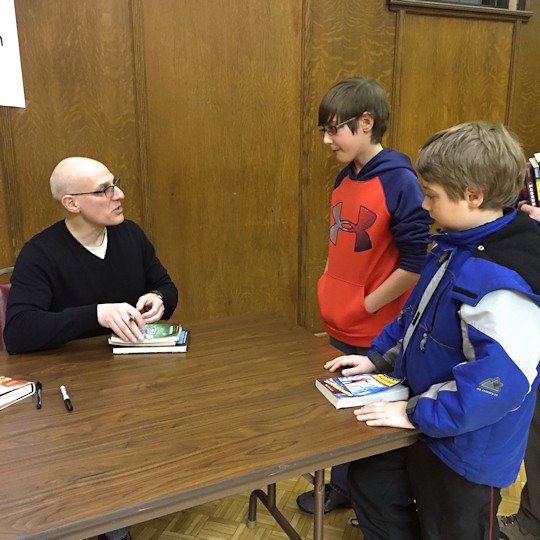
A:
(361, 364)
(384, 413)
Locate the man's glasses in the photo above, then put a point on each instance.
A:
(333, 129)
(108, 191)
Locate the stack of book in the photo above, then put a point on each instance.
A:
(158, 338)
(358, 390)
(532, 181)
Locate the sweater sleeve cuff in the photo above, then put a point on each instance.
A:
(170, 299)
(412, 258)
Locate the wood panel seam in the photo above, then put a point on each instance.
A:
(141, 110)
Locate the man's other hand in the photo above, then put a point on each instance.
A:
(151, 306)
(533, 211)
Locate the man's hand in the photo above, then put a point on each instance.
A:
(533, 211)
(151, 306)
(384, 413)
(360, 364)
(123, 319)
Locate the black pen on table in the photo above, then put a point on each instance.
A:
(38, 394)
(65, 397)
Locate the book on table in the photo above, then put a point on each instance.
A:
(158, 338)
(536, 172)
(531, 193)
(13, 390)
(357, 390)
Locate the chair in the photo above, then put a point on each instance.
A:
(4, 293)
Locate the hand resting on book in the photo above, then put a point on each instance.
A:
(358, 363)
(384, 413)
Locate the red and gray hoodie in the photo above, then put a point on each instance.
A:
(377, 225)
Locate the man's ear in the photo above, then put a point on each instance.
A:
(70, 204)
(366, 122)
(474, 197)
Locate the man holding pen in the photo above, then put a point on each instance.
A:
(89, 274)
(92, 273)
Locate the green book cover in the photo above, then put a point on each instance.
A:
(160, 330)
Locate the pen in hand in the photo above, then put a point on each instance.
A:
(38, 394)
(65, 397)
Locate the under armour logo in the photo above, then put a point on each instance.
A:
(366, 218)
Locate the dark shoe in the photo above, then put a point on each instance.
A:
(105, 537)
(512, 530)
(332, 500)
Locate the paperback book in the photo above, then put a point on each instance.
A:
(179, 345)
(13, 390)
(357, 390)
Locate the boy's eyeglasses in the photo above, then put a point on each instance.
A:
(333, 129)
(108, 191)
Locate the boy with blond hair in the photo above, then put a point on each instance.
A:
(465, 346)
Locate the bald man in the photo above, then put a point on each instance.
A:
(92, 273)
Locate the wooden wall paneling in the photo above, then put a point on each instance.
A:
(78, 75)
(524, 118)
(9, 199)
(452, 70)
(223, 85)
(343, 38)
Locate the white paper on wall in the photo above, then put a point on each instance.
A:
(11, 81)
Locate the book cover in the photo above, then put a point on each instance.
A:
(155, 335)
(180, 346)
(13, 390)
(357, 390)
(534, 162)
(530, 185)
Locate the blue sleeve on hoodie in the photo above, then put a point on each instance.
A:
(410, 222)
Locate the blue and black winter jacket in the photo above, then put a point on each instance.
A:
(467, 345)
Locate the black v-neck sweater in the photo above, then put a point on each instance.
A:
(57, 284)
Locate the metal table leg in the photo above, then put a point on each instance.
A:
(318, 514)
(269, 501)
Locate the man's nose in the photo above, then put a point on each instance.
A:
(118, 194)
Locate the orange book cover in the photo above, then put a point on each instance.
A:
(13, 390)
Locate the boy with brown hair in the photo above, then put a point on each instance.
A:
(463, 345)
(378, 233)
